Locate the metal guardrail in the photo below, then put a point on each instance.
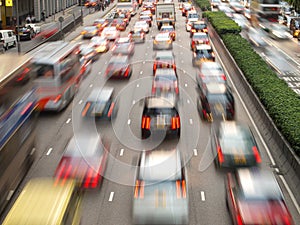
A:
(286, 160)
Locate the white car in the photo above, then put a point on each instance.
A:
(141, 25)
(111, 33)
(36, 28)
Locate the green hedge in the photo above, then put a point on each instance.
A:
(203, 4)
(282, 103)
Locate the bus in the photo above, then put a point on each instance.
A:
(266, 9)
(18, 119)
(56, 66)
(42, 201)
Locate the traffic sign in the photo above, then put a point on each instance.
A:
(8, 2)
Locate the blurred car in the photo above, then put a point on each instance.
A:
(228, 11)
(192, 15)
(101, 44)
(99, 104)
(89, 32)
(25, 33)
(162, 41)
(165, 80)
(164, 59)
(188, 25)
(161, 188)
(91, 3)
(203, 53)
(146, 18)
(147, 13)
(141, 25)
(137, 36)
(198, 26)
(88, 53)
(84, 159)
(216, 102)
(233, 145)
(100, 23)
(278, 31)
(35, 27)
(241, 21)
(119, 67)
(120, 24)
(149, 6)
(199, 38)
(160, 116)
(215, 3)
(247, 13)
(185, 8)
(210, 72)
(169, 29)
(123, 46)
(126, 17)
(254, 197)
(237, 7)
(111, 33)
(256, 37)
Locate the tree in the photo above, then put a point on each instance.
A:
(295, 4)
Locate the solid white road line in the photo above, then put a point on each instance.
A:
(49, 151)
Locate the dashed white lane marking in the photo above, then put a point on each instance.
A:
(146, 53)
(141, 72)
(49, 151)
(133, 102)
(100, 72)
(144, 62)
(68, 121)
(111, 196)
(202, 196)
(188, 101)
(191, 121)
(185, 85)
(181, 61)
(137, 85)
(91, 85)
(105, 62)
(195, 152)
(80, 102)
(128, 122)
(122, 152)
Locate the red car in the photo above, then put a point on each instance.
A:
(120, 24)
(199, 38)
(85, 160)
(253, 196)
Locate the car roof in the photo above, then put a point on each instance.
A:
(160, 165)
(165, 72)
(233, 128)
(123, 40)
(210, 65)
(160, 102)
(162, 35)
(255, 183)
(167, 26)
(100, 94)
(215, 88)
(203, 47)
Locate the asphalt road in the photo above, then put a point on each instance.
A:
(112, 204)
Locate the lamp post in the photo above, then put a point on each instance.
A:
(81, 11)
(18, 36)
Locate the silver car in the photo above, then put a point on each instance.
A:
(161, 189)
(162, 41)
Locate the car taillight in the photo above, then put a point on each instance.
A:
(256, 154)
(207, 42)
(58, 97)
(91, 179)
(180, 189)
(169, 41)
(126, 72)
(110, 109)
(139, 189)
(220, 155)
(239, 219)
(193, 30)
(175, 122)
(287, 220)
(154, 66)
(146, 122)
(223, 76)
(205, 30)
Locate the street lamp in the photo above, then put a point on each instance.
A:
(18, 36)
(81, 12)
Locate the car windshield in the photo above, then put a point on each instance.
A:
(90, 29)
(204, 52)
(165, 78)
(169, 29)
(199, 26)
(199, 36)
(216, 98)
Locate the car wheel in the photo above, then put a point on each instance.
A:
(145, 134)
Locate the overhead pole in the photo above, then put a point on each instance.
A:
(18, 23)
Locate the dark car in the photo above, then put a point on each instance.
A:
(216, 102)
(99, 104)
(85, 160)
(198, 26)
(203, 53)
(234, 145)
(25, 33)
(119, 67)
(165, 80)
(164, 59)
(161, 188)
(161, 116)
(253, 196)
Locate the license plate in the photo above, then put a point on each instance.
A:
(219, 108)
(160, 122)
(239, 159)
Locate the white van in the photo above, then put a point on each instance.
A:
(9, 38)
